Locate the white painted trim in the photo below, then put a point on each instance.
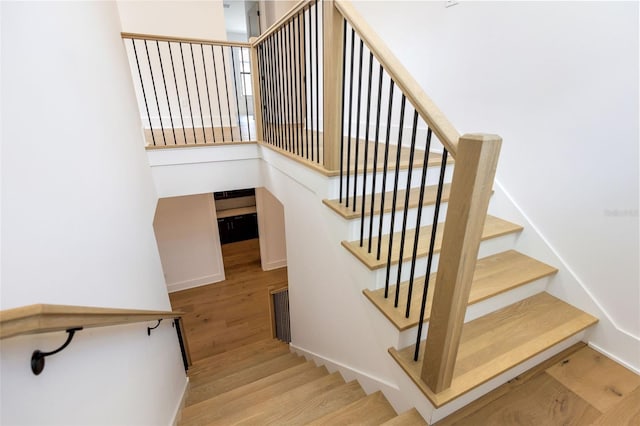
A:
(276, 264)
(613, 357)
(195, 282)
(177, 413)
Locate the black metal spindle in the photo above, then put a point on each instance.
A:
(146, 105)
(262, 81)
(366, 151)
(273, 92)
(283, 94)
(353, 32)
(357, 141)
(344, 68)
(155, 93)
(304, 82)
(164, 81)
(294, 97)
(215, 76)
(186, 83)
(175, 82)
(246, 103)
(275, 72)
(206, 80)
(407, 193)
(434, 227)
(195, 76)
(317, 90)
(311, 81)
(385, 165)
(375, 160)
(235, 86)
(395, 193)
(286, 50)
(226, 89)
(423, 180)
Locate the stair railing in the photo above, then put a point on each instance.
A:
(43, 318)
(367, 119)
(192, 91)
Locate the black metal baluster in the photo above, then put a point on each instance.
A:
(155, 93)
(434, 228)
(226, 89)
(186, 83)
(164, 81)
(283, 92)
(306, 117)
(423, 180)
(286, 50)
(366, 151)
(311, 80)
(244, 91)
(384, 174)
(406, 204)
(135, 52)
(375, 161)
(262, 81)
(395, 193)
(272, 84)
(294, 97)
(235, 86)
(357, 141)
(275, 65)
(175, 82)
(195, 76)
(215, 76)
(317, 91)
(353, 32)
(206, 80)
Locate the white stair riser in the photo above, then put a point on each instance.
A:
(412, 215)
(484, 307)
(487, 248)
(433, 176)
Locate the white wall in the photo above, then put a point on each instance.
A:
(186, 230)
(559, 82)
(77, 210)
(273, 246)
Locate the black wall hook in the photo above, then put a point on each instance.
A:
(154, 327)
(37, 358)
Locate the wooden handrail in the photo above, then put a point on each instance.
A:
(154, 37)
(42, 318)
(283, 20)
(435, 118)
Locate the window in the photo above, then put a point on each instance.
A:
(245, 71)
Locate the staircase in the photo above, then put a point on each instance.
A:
(510, 318)
(264, 383)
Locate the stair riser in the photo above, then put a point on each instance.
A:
(484, 307)
(412, 215)
(487, 248)
(433, 175)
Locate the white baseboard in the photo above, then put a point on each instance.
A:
(177, 413)
(275, 264)
(195, 282)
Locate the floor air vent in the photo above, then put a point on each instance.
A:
(280, 301)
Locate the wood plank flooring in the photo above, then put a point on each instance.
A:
(232, 313)
(581, 387)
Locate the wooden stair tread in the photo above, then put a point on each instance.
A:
(217, 371)
(414, 196)
(371, 410)
(408, 418)
(243, 397)
(493, 275)
(231, 356)
(199, 391)
(309, 410)
(292, 397)
(493, 227)
(494, 343)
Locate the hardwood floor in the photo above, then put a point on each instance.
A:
(232, 313)
(578, 387)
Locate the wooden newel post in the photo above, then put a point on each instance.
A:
(476, 161)
(255, 90)
(332, 69)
